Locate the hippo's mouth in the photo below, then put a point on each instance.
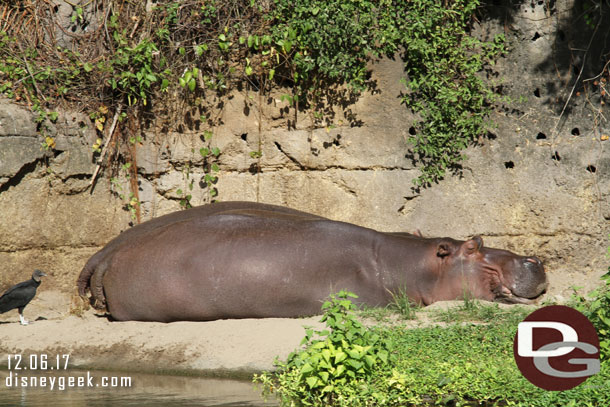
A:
(508, 297)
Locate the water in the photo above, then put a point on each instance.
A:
(102, 388)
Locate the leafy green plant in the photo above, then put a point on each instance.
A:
(597, 309)
(132, 67)
(131, 201)
(189, 79)
(457, 364)
(442, 61)
(340, 356)
(212, 169)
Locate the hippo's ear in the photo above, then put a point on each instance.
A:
(443, 249)
(473, 245)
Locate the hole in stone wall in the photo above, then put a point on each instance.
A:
(536, 36)
(334, 142)
(509, 164)
(244, 136)
(412, 131)
(541, 136)
(575, 131)
(537, 92)
(591, 169)
(254, 168)
(556, 156)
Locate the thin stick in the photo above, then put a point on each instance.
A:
(105, 149)
(27, 67)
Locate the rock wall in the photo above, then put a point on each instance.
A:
(538, 184)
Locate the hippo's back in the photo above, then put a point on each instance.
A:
(238, 263)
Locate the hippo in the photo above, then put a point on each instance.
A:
(253, 260)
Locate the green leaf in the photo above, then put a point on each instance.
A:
(355, 364)
(340, 357)
(326, 354)
(383, 356)
(339, 371)
(324, 377)
(312, 381)
(306, 368)
(328, 388)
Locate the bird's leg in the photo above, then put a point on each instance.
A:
(21, 318)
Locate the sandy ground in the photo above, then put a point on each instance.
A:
(229, 348)
(220, 348)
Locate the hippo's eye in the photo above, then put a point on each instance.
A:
(473, 245)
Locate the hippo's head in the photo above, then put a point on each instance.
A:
(492, 274)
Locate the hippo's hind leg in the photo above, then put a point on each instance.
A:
(83, 282)
(98, 299)
(91, 277)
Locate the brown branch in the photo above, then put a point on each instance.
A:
(105, 149)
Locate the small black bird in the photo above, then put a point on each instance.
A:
(20, 295)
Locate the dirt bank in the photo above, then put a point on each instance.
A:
(220, 348)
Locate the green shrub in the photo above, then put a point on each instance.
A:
(597, 309)
(459, 364)
(334, 365)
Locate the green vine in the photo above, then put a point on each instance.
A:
(442, 62)
(133, 57)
